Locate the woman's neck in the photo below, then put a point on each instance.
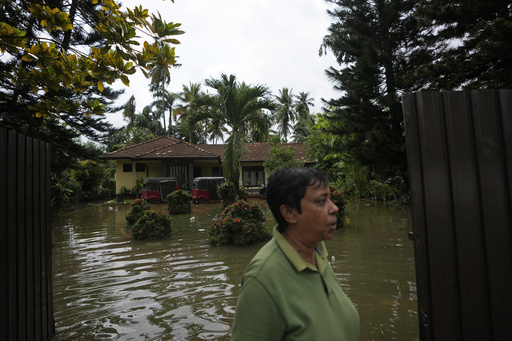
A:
(305, 251)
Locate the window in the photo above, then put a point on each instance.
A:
(140, 167)
(216, 171)
(127, 167)
(197, 172)
(253, 176)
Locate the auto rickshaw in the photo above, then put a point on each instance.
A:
(205, 188)
(156, 189)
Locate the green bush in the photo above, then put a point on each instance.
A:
(179, 202)
(389, 190)
(61, 194)
(128, 193)
(152, 225)
(139, 206)
(241, 223)
(229, 194)
(338, 198)
(133, 192)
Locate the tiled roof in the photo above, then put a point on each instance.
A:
(170, 148)
(163, 147)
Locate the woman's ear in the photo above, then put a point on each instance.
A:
(289, 214)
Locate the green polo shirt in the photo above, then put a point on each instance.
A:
(284, 297)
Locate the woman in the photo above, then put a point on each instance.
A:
(289, 290)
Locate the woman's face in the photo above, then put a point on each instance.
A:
(317, 221)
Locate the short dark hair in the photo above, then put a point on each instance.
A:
(288, 186)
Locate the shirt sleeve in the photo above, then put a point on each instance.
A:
(257, 315)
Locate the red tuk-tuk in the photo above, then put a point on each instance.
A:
(157, 189)
(205, 188)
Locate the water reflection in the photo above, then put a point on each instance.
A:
(108, 286)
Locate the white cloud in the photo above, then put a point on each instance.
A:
(272, 42)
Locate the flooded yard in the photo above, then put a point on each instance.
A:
(108, 286)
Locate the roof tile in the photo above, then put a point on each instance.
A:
(166, 147)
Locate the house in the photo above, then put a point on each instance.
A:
(167, 156)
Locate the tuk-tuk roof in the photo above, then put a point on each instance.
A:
(158, 179)
(209, 178)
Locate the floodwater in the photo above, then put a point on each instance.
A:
(108, 286)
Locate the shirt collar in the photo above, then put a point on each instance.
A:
(293, 256)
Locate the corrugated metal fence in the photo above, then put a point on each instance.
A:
(25, 249)
(459, 147)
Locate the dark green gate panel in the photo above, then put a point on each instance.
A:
(459, 147)
(25, 250)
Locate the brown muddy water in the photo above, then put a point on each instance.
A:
(108, 286)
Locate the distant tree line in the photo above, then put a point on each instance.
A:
(59, 59)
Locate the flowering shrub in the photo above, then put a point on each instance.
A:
(229, 194)
(139, 206)
(153, 225)
(179, 202)
(240, 223)
(338, 198)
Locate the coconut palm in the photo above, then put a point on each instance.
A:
(237, 107)
(186, 97)
(160, 75)
(260, 131)
(304, 119)
(164, 103)
(184, 112)
(285, 114)
(302, 103)
(148, 119)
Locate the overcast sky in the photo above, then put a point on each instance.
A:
(271, 42)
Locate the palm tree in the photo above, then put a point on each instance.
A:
(304, 119)
(186, 97)
(163, 103)
(214, 128)
(149, 120)
(285, 111)
(260, 131)
(129, 110)
(236, 106)
(302, 103)
(160, 75)
(185, 112)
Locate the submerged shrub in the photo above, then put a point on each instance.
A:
(241, 223)
(139, 206)
(391, 189)
(338, 198)
(229, 193)
(152, 225)
(179, 202)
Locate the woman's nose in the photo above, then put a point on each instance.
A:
(334, 208)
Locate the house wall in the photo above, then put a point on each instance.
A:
(156, 169)
(206, 167)
(128, 179)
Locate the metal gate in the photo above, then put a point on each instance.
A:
(459, 147)
(25, 251)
